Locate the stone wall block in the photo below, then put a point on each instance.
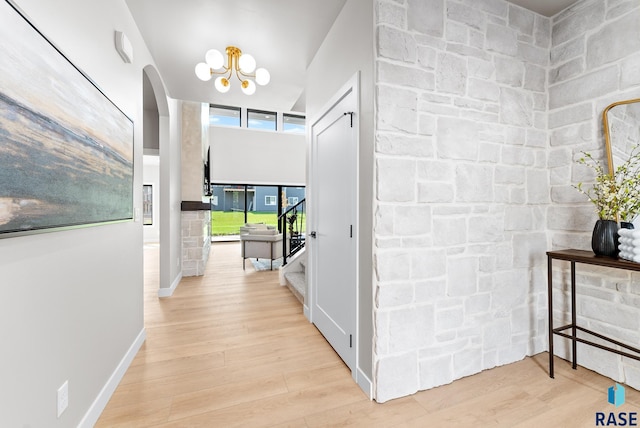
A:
(604, 46)
(397, 113)
(462, 276)
(435, 170)
(535, 79)
(412, 220)
(436, 371)
(567, 51)
(538, 186)
(467, 362)
(426, 16)
(396, 376)
(395, 294)
(406, 76)
(566, 71)
(435, 193)
(396, 44)
(395, 180)
(457, 33)
(518, 218)
(542, 31)
(584, 88)
(483, 90)
(392, 14)
(457, 138)
(393, 265)
(586, 16)
(516, 107)
(501, 40)
(451, 74)
(509, 71)
(480, 68)
(384, 220)
(570, 115)
(426, 57)
(474, 183)
(521, 19)
(466, 15)
(630, 71)
(486, 229)
(404, 145)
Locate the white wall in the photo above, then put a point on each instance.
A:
(246, 156)
(72, 300)
(462, 188)
(595, 60)
(350, 44)
(152, 177)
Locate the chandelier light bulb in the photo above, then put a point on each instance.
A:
(214, 58)
(203, 71)
(222, 84)
(247, 63)
(262, 76)
(248, 87)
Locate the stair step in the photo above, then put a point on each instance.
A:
(297, 283)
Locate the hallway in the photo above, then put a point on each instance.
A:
(229, 348)
(232, 348)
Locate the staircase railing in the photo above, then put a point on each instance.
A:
(292, 224)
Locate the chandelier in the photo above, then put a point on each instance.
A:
(242, 65)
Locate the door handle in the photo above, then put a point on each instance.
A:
(313, 234)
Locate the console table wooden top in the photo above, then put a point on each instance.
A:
(588, 257)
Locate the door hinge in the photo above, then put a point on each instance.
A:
(351, 341)
(350, 113)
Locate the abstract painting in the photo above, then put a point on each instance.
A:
(66, 151)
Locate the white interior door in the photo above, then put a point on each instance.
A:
(334, 196)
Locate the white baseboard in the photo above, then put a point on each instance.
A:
(98, 405)
(364, 383)
(168, 292)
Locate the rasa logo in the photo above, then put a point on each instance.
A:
(615, 396)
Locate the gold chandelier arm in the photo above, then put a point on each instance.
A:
(242, 75)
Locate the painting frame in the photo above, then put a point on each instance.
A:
(66, 149)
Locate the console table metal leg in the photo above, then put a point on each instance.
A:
(550, 318)
(573, 314)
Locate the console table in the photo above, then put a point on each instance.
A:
(586, 257)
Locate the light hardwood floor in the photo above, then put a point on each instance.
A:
(232, 349)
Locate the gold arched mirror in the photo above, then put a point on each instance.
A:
(621, 122)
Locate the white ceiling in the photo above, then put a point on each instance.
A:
(282, 35)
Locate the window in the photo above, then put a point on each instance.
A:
(292, 200)
(293, 123)
(224, 116)
(270, 200)
(258, 119)
(147, 205)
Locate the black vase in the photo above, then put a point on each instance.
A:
(604, 240)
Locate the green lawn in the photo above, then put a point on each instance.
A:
(228, 223)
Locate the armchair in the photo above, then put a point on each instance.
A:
(261, 244)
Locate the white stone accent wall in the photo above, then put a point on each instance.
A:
(196, 241)
(595, 60)
(462, 189)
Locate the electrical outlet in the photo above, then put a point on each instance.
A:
(63, 397)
